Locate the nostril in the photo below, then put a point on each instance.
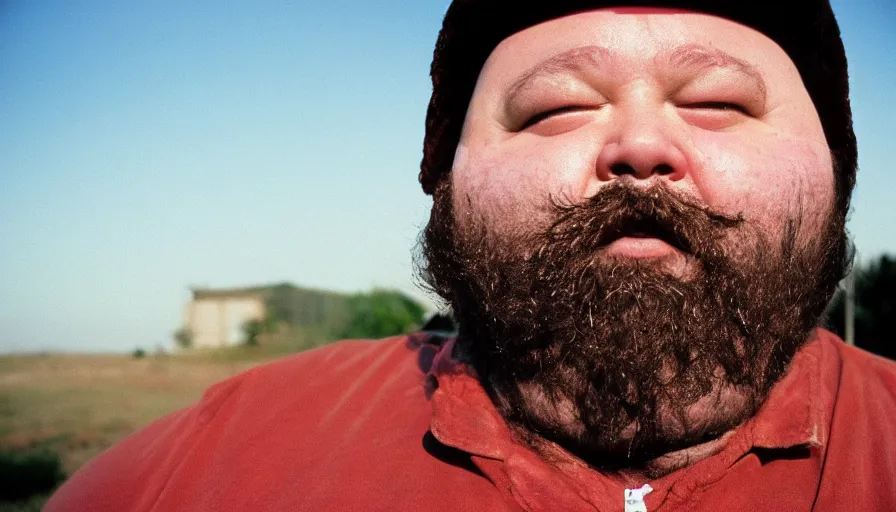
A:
(663, 169)
(640, 160)
(621, 169)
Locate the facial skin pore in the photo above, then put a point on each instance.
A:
(710, 110)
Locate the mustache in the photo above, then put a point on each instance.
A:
(619, 210)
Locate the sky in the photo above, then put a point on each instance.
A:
(148, 147)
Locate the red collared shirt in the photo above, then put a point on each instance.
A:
(396, 425)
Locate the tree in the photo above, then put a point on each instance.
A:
(252, 329)
(311, 311)
(875, 307)
(382, 313)
(183, 337)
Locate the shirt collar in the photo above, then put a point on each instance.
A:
(464, 417)
(797, 409)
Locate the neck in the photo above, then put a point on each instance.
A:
(629, 476)
(673, 461)
(558, 429)
(696, 433)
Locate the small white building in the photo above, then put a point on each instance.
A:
(216, 318)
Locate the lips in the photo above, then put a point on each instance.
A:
(643, 228)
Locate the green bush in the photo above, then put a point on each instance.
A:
(33, 503)
(382, 313)
(25, 474)
(139, 353)
(183, 337)
(252, 329)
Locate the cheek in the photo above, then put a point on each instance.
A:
(773, 179)
(513, 180)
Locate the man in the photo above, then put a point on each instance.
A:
(638, 220)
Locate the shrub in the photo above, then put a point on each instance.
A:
(252, 329)
(183, 337)
(24, 474)
(382, 313)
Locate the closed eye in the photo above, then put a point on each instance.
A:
(537, 118)
(717, 105)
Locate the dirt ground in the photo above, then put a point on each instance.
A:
(78, 405)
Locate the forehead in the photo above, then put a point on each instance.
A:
(635, 39)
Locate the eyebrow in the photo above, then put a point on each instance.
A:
(693, 57)
(575, 60)
(698, 57)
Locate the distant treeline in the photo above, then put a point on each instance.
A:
(326, 316)
(875, 307)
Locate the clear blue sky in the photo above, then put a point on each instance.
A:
(149, 146)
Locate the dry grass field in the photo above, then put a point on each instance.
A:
(78, 405)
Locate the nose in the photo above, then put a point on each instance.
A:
(643, 145)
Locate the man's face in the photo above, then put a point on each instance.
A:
(637, 233)
(714, 109)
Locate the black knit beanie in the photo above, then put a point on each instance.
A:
(805, 29)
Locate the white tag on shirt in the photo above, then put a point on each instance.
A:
(634, 498)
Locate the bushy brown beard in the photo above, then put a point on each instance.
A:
(605, 356)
